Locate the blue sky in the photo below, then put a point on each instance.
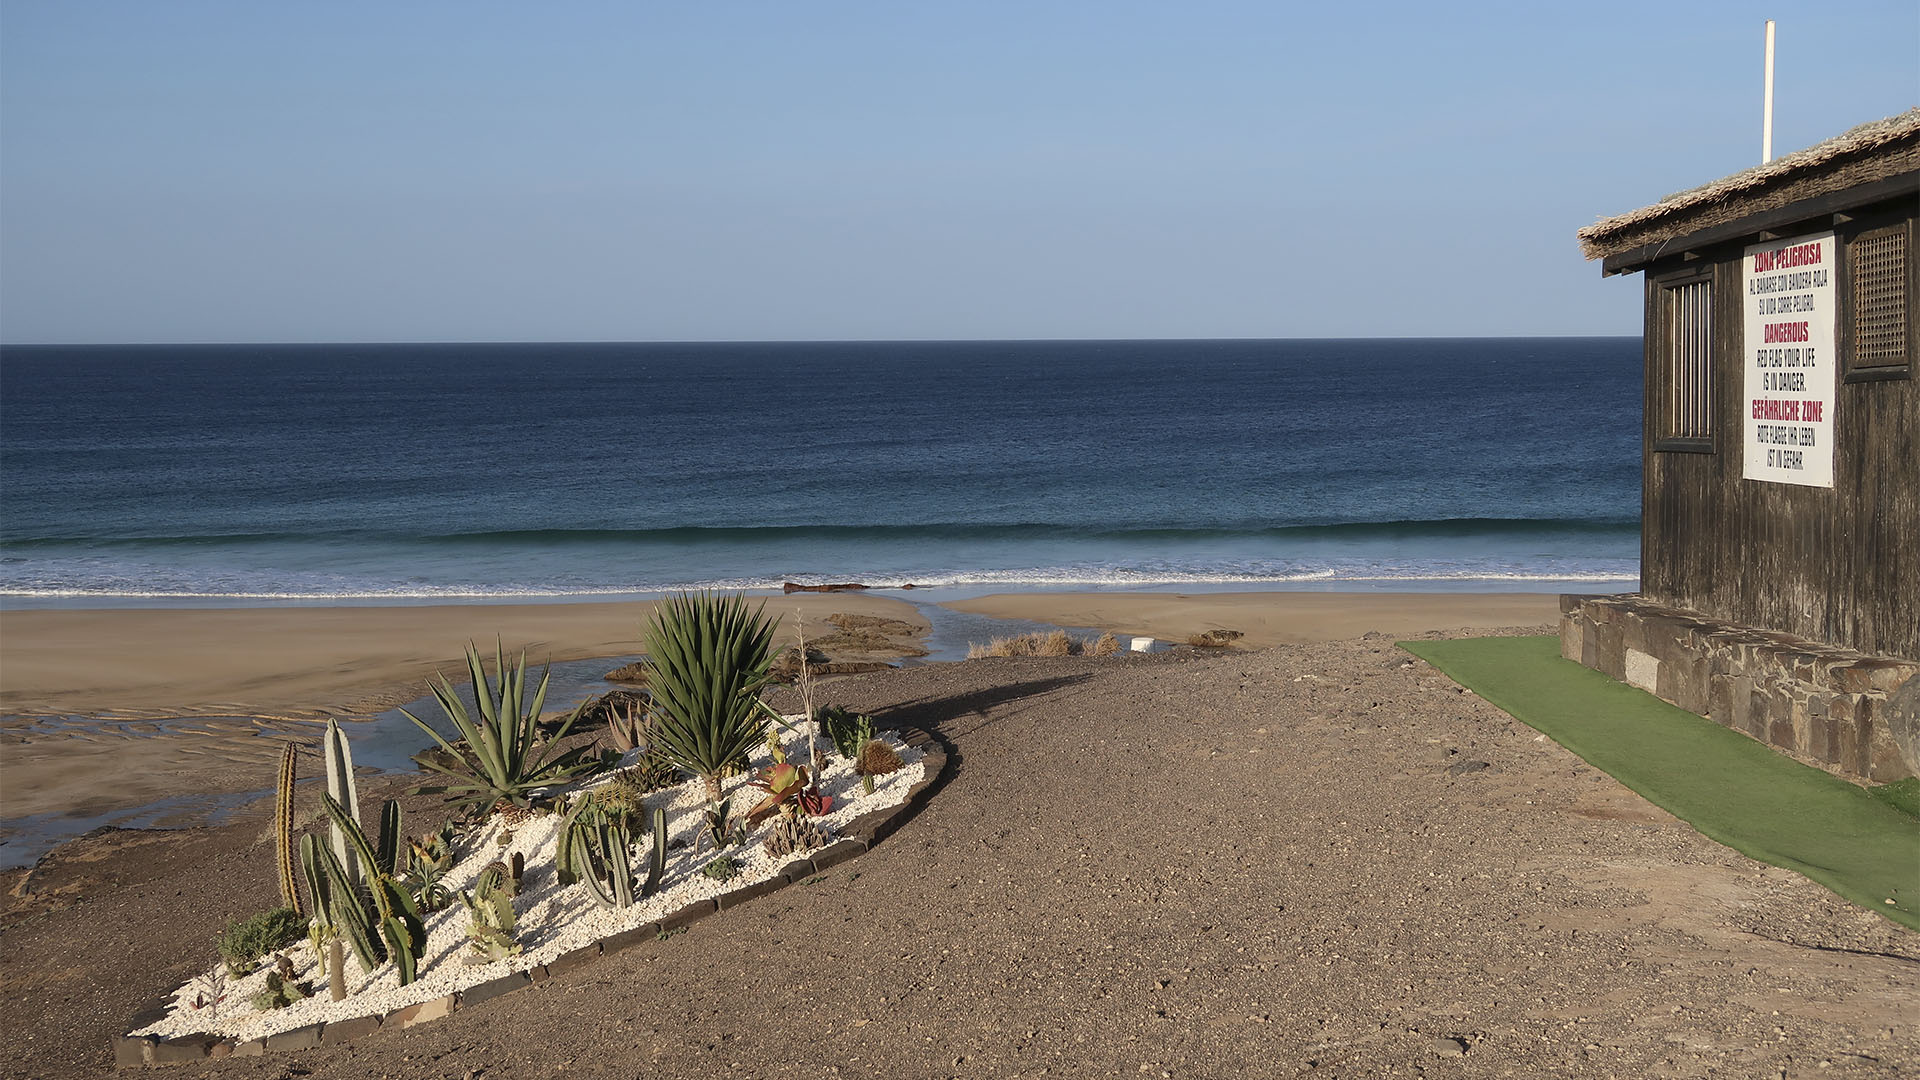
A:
(189, 171)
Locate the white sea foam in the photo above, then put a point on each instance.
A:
(1025, 578)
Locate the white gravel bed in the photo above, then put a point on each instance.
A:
(550, 920)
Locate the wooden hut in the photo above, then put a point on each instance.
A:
(1780, 536)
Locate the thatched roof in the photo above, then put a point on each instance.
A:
(1871, 152)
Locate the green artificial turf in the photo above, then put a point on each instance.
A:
(1730, 787)
(1902, 795)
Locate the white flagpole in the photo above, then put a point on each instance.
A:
(1766, 122)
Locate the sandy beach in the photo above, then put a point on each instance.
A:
(1308, 860)
(1270, 618)
(110, 710)
(197, 701)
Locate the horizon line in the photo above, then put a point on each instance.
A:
(797, 341)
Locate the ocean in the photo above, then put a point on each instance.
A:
(188, 475)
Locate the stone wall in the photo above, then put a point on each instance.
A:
(1819, 701)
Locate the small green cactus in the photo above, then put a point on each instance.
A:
(724, 868)
(281, 990)
(623, 797)
(849, 732)
(722, 830)
(596, 849)
(490, 929)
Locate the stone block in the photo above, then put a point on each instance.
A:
(221, 1049)
(1570, 636)
(627, 939)
(1884, 761)
(1823, 734)
(424, 1012)
(1852, 732)
(578, 958)
(1610, 654)
(300, 1038)
(915, 737)
(871, 826)
(1902, 721)
(1683, 681)
(183, 1049)
(1802, 665)
(1798, 701)
(493, 988)
(750, 892)
(250, 1048)
(688, 915)
(1759, 713)
(1872, 674)
(1720, 708)
(345, 1031)
(1633, 631)
(1642, 670)
(836, 853)
(1780, 732)
(130, 1051)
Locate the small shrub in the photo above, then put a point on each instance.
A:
(1057, 643)
(1105, 645)
(724, 868)
(245, 941)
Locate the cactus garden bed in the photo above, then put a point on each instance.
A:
(553, 924)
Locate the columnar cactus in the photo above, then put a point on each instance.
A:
(657, 861)
(376, 914)
(283, 832)
(341, 789)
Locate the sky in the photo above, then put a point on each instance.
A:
(197, 172)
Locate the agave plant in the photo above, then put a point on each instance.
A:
(500, 757)
(707, 659)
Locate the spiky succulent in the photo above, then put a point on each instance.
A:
(791, 835)
(500, 758)
(707, 660)
(878, 759)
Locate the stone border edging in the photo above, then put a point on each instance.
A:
(860, 835)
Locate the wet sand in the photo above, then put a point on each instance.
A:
(1270, 618)
(232, 684)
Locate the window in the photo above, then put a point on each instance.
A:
(1685, 405)
(1877, 262)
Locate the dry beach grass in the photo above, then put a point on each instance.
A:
(1312, 860)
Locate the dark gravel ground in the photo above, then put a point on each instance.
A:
(1322, 861)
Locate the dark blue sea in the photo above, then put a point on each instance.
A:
(260, 474)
